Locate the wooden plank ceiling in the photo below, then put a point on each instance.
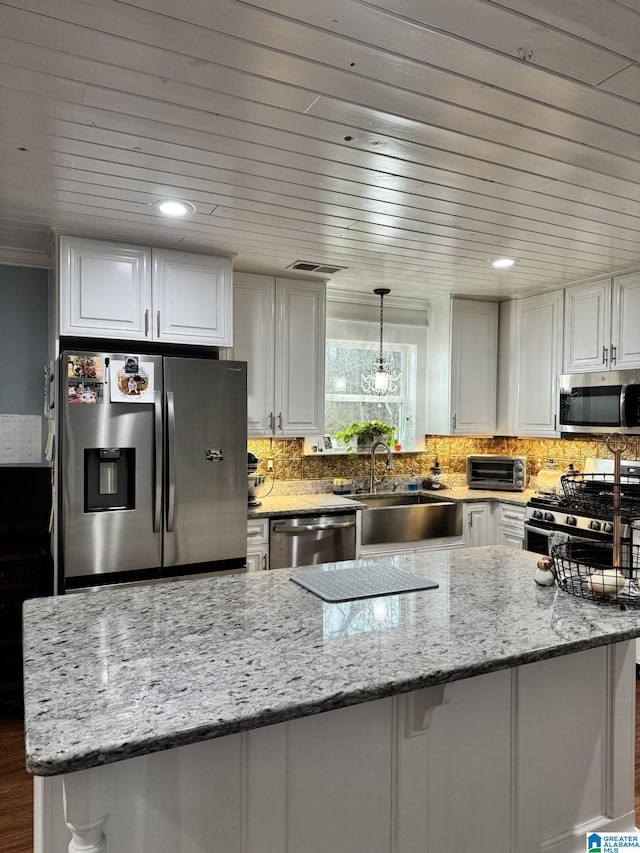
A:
(410, 141)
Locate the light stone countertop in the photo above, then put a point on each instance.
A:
(309, 504)
(120, 672)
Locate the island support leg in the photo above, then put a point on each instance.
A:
(87, 803)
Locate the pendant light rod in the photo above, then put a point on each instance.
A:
(384, 378)
(381, 292)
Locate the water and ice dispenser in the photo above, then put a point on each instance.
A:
(109, 478)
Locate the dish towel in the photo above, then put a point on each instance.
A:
(557, 538)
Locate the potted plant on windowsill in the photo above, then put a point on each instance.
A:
(365, 433)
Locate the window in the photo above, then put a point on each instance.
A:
(351, 349)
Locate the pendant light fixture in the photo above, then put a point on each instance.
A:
(384, 378)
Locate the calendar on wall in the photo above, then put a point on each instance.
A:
(20, 439)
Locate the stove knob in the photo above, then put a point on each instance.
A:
(571, 520)
(537, 514)
(549, 516)
(607, 527)
(594, 525)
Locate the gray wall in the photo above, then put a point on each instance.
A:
(23, 340)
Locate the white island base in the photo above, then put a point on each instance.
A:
(514, 761)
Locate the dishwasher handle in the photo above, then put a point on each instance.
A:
(305, 528)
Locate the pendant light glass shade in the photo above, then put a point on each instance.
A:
(384, 378)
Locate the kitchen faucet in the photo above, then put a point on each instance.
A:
(372, 469)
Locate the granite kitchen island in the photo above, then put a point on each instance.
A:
(242, 713)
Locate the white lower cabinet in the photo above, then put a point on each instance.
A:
(422, 546)
(508, 525)
(477, 526)
(482, 764)
(257, 544)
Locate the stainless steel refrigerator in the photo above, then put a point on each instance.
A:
(152, 467)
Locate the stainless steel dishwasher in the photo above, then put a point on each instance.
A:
(310, 539)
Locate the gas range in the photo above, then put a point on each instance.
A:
(554, 513)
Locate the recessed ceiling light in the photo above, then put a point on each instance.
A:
(173, 207)
(502, 263)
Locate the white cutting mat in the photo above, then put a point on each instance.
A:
(360, 582)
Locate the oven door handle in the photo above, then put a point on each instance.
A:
(571, 537)
(541, 531)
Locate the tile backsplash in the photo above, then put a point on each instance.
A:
(289, 463)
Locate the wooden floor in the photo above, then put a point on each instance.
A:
(16, 795)
(16, 798)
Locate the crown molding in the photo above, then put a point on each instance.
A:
(24, 258)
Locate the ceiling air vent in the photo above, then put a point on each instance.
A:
(310, 266)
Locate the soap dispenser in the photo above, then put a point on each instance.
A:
(412, 485)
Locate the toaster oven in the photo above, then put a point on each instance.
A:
(506, 473)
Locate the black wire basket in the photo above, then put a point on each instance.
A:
(587, 570)
(593, 493)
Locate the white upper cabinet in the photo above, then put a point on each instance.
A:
(462, 367)
(254, 342)
(107, 290)
(104, 289)
(587, 323)
(530, 361)
(625, 322)
(602, 331)
(279, 331)
(299, 357)
(192, 298)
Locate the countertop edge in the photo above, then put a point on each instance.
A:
(88, 760)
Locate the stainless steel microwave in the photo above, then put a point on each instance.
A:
(603, 402)
(503, 473)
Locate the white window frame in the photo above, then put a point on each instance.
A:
(368, 334)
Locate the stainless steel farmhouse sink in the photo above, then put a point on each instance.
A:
(385, 500)
(408, 518)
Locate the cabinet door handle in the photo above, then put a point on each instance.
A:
(272, 421)
(264, 562)
(279, 420)
(605, 352)
(158, 322)
(614, 353)
(146, 323)
(453, 421)
(470, 520)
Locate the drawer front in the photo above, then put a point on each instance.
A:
(257, 531)
(510, 515)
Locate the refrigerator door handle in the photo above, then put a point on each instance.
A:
(171, 462)
(157, 498)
